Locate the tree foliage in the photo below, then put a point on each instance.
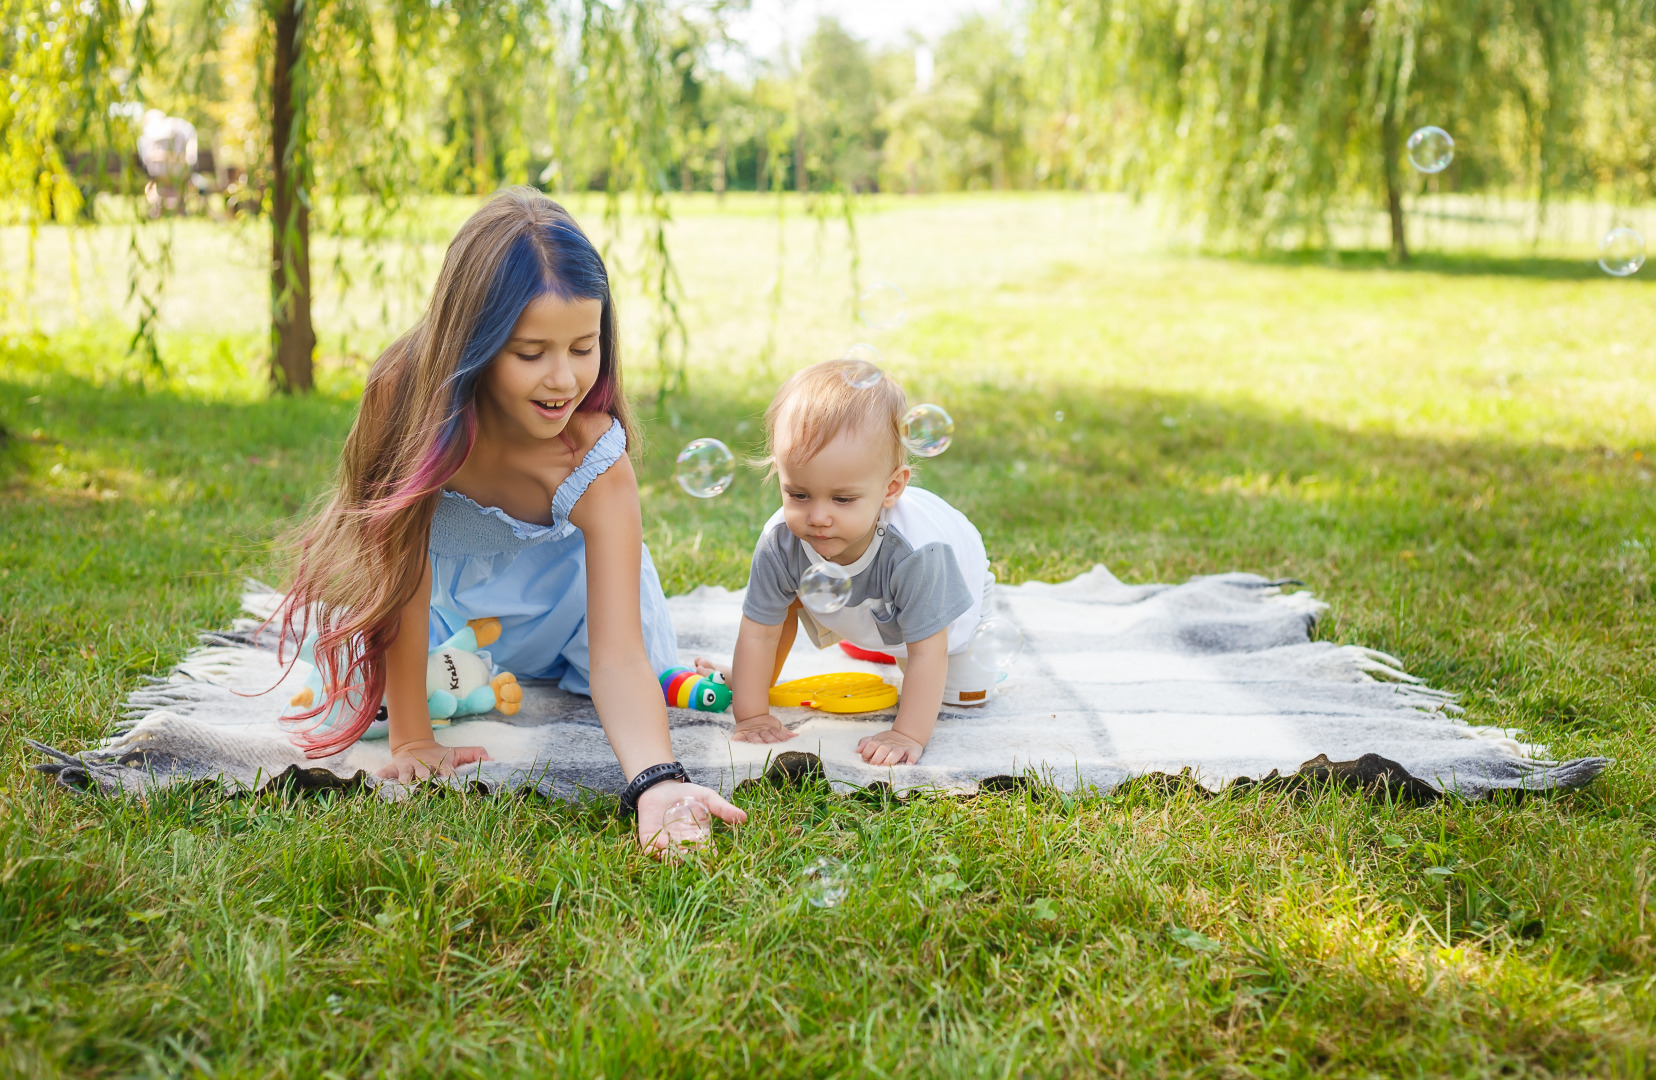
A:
(341, 111)
(1263, 119)
(1260, 116)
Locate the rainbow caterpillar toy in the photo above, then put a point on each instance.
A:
(685, 688)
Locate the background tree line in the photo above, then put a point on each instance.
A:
(1258, 119)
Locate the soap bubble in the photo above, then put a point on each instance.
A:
(825, 587)
(1431, 149)
(927, 430)
(882, 306)
(863, 351)
(687, 826)
(996, 643)
(861, 366)
(1059, 416)
(705, 468)
(1622, 251)
(826, 882)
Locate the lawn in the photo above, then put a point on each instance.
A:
(1458, 455)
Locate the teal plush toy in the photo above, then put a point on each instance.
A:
(459, 682)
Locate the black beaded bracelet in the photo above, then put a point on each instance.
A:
(649, 778)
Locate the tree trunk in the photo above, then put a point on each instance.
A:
(799, 160)
(292, 338)
(720, 166)
(1389, 138)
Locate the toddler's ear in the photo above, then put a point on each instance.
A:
(896, 485)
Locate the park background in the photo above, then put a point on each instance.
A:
(1192, 309)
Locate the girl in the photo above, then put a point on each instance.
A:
(487, 475)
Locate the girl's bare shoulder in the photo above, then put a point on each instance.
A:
(612, 493)
(586, 428)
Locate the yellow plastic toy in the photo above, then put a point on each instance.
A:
(843, 692)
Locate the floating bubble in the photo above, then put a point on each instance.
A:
(705, 468)
(996, 643)
(861, 368)
(862, 375)
(882, 306)
(825, 587)
(1059, 416)
(826, 882)
(863, 351)
(687, 825)
(1431, 149)
(1622, 251)
(927, 430)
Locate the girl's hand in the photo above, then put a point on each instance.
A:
(890, 748)
(653, 804)
(764, 728)
(422, 758)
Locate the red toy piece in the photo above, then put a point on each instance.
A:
(867, 655)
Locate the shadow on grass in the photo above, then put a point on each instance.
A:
(1450, 264)
(1517, 574)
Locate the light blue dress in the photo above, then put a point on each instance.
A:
(484, 562)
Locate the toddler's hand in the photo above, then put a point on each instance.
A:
(427, 757)
(764, 728)
(890, 748)
(705, 667)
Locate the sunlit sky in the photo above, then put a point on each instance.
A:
(770, 23)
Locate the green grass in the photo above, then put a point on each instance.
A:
(1458, 456)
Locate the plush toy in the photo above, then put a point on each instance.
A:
(459, 682)
(458, 676)
(686, 688)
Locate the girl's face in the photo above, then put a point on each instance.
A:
(534, 384)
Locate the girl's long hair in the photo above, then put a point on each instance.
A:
(359, 561)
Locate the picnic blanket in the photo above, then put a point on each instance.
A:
(1217, 679)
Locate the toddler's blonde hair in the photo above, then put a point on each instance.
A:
(818, 403)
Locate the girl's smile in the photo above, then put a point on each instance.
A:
(554, 410)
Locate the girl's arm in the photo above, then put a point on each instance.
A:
(625, 689)
(415, 753)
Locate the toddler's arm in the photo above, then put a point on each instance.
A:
(923, 679)
(760, 651)
(415, 754)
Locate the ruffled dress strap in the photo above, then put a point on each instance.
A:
(462, 528)
(609, 449)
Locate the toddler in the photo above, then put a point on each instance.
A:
(920, 581)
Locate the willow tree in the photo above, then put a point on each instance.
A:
(1260, 116)
(365, 102)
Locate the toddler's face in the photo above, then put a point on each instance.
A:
(833, 500)
(546, 368)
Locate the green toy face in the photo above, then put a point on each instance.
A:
(711, 696)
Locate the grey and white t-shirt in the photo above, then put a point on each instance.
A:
(924, 570)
